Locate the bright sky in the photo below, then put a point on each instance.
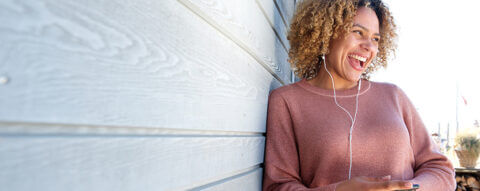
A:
(438, 48)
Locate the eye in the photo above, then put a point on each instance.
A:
(376, 39)
(358, 32)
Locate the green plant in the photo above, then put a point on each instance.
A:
(468, 141)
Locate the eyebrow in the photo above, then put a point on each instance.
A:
(364, 28)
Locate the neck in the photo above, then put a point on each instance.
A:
(323, 81)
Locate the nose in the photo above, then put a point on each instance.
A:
(369, 45)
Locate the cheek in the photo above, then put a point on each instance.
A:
(375, 52)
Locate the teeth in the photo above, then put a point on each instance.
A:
(363, 59)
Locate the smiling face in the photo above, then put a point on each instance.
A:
(350, 56)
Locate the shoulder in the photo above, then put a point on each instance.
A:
(288, 90)
(388, 89)
(287, 95)
(384, 86)
(392, 92)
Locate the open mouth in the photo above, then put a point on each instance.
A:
(357, 61)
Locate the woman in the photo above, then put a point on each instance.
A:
(335, 130)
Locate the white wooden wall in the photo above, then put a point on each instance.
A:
(138, 95)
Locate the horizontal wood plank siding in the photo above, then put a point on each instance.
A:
(129, 162)
(275, 20)
(153, 73)
(287, 8)
(244, 23)
(138, 95)
(250, 180)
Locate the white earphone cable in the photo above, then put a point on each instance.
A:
(349, 115)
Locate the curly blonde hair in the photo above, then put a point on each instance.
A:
(317, 22)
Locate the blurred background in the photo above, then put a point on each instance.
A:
(437, 62)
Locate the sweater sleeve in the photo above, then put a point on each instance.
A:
(433, 170)
(281, 155)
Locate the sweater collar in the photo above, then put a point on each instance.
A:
(351, 92)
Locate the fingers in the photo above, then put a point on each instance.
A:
(378, 179)
(392, 185)
(374, 184)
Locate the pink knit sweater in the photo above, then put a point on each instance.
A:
(307, 139)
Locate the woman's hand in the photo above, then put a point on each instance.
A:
(363, 183)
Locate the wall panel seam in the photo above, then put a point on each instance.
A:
(26, 128)
(282, 15)
(277, 34)
(228, 35)
(227, 178)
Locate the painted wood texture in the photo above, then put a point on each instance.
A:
(150, 64)
(251, 180)
(287, 8)
(244, 23)
(108, 162)
(276, 21)
(128, 95)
